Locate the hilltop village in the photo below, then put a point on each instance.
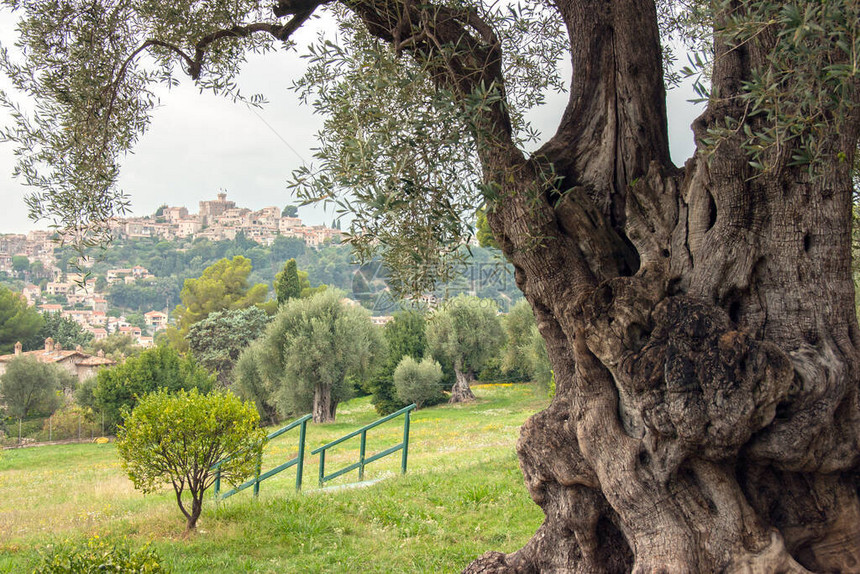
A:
(53, 288)
(220, 219)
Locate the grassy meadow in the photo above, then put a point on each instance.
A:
(463, 495)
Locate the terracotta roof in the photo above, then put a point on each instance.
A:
(43, 355)
(96, 361)
(59, 356)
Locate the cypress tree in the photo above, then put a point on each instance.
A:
(287, 284)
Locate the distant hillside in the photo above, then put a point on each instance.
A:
(171, 262)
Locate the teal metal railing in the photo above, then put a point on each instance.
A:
(363, 460)
(298, 461)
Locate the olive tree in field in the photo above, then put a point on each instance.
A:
(310, 356)
(700, 321)
(176, 438)
(250, 383)
(465, 334)
(29, 386)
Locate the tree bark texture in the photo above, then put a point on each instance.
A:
(700, 321)
(196, 510)
(702, 328)
(461, 392)
(325, 406)
(192, 515)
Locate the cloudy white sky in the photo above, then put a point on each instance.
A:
(199, 144)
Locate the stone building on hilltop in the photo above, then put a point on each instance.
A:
(78, 363)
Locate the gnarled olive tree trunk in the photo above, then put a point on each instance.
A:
(325, 405)
(700, 322)
(461, 392)
(701, 325)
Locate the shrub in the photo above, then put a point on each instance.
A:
(100, 555)
(160, 367)
(418, 382)
(405, 335)
(176, 439)
(69, 422)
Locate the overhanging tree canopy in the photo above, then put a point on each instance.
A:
(700, 322)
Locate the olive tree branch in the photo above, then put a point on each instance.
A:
(281, 32)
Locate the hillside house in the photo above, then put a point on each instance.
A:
(99, 333)
(78, 363)
(32, 293)
(51, 308)
(156, 319)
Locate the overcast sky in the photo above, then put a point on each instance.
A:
(199, 144)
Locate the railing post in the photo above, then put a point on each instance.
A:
(361, 456)
(300, 465)
(257, 481)
(405, 443)
(218, 485)
(322, 467)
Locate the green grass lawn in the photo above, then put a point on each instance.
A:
(463, 495)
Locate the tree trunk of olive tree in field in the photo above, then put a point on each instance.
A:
(461, 392)
(700, 321)
(325, 407)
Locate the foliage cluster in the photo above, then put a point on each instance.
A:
(418, 382)
(118, 388)
(98, 555)
(222, 286)
(525, 349)
(788, 105)
(63, 330)
(314, 348)
(18, 322)
(116, 346)
(70, 421)
(30, 387)
(218, 340)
